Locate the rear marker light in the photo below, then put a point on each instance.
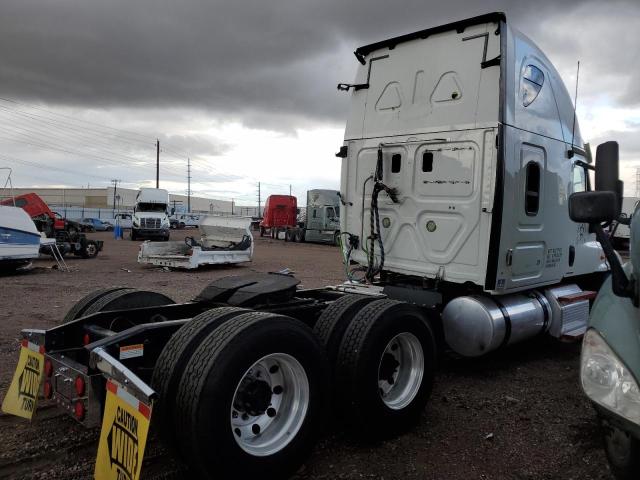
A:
(79, 384)
(86, 339)
(78, 410)
(48, 390)
(48, 368)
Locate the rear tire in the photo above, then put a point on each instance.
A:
(623, 453)
(173, 359)
(226, 383)
(85, 302)
(133, 235)
(128, 298)
(90, 250)
(335, 320)
(385, 367)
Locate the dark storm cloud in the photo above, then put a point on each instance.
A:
(245, 59)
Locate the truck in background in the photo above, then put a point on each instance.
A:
(280, 213)
(150, 214)
(610, 358)
(319, 221)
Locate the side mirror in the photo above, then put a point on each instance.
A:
(593, 207)
(607, 173)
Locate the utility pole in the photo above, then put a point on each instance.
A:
(115, 182)
(259, 199)
(232, 206)
(188, 184)
(157, 163)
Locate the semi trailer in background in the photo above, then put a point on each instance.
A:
(459, 157)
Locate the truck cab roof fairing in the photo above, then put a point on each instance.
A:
(460, 26)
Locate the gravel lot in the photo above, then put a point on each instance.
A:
(518, 414)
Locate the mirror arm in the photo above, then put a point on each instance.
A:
(619, 281)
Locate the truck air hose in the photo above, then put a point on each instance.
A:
(372, 269)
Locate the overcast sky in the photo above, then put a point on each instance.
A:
(247, 89)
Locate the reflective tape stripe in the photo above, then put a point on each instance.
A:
(114, 388)
(34, 347)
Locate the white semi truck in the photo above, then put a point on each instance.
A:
(150, 214)
(459, 157)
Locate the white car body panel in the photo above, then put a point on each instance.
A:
(215, 231)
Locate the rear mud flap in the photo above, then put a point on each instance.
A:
(22, 396)
(123, 437)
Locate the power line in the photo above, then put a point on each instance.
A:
(75, 119)
(30, 163)
(49, 145)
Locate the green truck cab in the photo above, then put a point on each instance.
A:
(610, 360)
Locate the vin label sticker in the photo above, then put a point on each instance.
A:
(125, 426)
(22, 396)
(554, 255)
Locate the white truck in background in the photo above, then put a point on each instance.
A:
(150, 214)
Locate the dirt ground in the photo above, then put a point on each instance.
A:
(518, 414)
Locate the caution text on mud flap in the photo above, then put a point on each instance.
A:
(22, 396)
(122, 440)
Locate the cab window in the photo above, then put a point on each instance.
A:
(532, 81)
(578, 179)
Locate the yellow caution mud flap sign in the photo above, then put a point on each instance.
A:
(125, 426)
(22, 396)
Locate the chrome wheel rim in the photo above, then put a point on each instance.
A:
(91, 250)
(269, 404)
(400, 371)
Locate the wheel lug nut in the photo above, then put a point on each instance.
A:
(271, 412)
(255, 428)
(277, 389)
(234, 414)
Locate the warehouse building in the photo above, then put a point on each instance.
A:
(123, 199)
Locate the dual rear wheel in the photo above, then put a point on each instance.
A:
(245, 393)
(242, 393)
(383, 357)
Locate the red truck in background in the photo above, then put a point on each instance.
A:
(280, 213)
(66, 232)
(38, 210)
